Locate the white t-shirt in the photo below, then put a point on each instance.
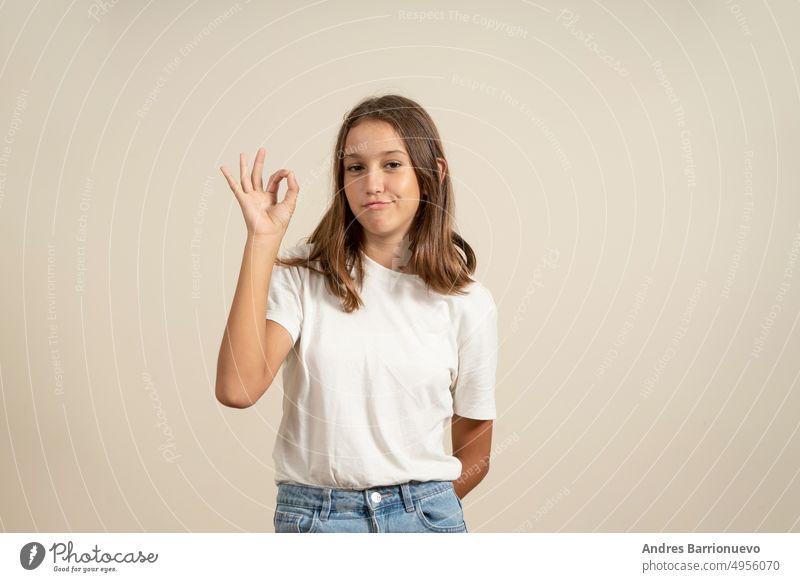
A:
(368, 395)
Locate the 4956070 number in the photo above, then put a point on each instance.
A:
(755, 565)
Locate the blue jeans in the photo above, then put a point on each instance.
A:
(412, 507)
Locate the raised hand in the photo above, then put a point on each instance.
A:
(263, 214)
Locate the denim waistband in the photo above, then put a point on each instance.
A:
(372, 498)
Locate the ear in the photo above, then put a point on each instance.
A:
(442, 163)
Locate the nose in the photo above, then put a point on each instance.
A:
(373, 182)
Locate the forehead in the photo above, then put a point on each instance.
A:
(372, 136)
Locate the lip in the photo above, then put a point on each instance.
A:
(372, 205)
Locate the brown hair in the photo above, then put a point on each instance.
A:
(433, 244)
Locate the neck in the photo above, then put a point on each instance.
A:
(392, 254)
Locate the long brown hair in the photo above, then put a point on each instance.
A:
(433, 244)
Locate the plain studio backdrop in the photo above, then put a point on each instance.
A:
(627, 174)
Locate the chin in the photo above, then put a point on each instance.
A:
(380, 231)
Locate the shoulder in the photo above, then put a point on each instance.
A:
(475, 317)
(298, 251)
(473, 306)
(304, 269)
(294, 251)
(476, 297)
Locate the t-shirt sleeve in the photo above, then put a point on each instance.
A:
(474, 387)
(284, 304)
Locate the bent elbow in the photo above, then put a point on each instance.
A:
(234, 404)
(485, 467)
(226, 398)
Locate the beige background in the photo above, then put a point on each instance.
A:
(626, 173)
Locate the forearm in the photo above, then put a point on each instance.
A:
(474, 467)
(472, 444)
(241, 366)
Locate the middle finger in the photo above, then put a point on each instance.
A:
(258, 169)
(247, 186)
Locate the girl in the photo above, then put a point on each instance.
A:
(385, 336)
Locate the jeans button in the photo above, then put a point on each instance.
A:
(376, 497)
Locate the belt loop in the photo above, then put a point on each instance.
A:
(405, 491)
(326, 504)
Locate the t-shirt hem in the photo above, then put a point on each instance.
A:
(359, 487)
(477, 414)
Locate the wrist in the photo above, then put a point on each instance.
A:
(266, 237)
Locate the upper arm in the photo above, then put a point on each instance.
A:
(474, 387)
(279, 343)
(284, 316)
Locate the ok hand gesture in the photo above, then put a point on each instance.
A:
(263, 214)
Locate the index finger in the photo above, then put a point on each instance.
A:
(275, 181)
(231, 182)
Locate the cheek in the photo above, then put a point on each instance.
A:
(350, 198)
(409, 205)
(409, 189)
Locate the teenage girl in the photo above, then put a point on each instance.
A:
(385, 337)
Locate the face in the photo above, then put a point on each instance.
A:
(377, 168)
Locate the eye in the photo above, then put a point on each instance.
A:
(357, 167)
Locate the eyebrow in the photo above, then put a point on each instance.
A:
(380, 154)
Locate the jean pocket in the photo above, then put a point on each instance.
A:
(291, 519)
(461, 505)
(441, 512)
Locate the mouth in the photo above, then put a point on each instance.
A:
(377, 205)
